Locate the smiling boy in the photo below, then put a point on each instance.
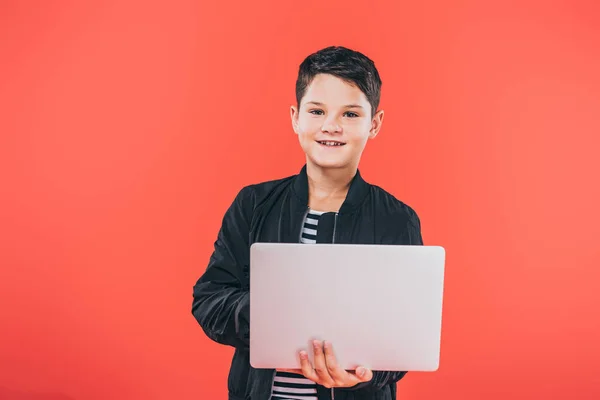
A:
(328, 201)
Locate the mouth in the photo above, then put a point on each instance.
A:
(331, 143)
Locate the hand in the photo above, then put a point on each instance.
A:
(326, 371)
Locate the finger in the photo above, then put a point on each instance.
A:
(337, 374)
(364, 374)
(306, 369)
(321, 366)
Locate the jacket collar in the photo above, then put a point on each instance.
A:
(359, 189)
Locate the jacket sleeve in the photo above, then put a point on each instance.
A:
(221, 295)
(411, 235)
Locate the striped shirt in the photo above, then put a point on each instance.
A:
(293, 386)
(309, 230)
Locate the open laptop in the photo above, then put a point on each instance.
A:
(379, 305)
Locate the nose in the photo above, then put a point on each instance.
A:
(331, 126)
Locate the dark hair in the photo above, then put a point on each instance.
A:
(349, 65)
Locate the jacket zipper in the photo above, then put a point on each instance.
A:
(334, 226)
(302, 225)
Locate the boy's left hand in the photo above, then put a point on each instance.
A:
(326, 372)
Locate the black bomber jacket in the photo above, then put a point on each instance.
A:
(274, 211)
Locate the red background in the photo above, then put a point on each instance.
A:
(127, 127)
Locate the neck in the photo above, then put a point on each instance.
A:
(329, 183)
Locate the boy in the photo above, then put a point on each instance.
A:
(337, 94)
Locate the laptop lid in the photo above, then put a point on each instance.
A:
(379, 305)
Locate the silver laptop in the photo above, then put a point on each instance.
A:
(379, 305)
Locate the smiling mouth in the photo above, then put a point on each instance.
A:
(330, 143)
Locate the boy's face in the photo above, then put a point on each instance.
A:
(334, 122)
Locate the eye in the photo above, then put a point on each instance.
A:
(351, 114)
(316, 112)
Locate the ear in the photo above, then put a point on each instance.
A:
(376, 123)
(294, 114)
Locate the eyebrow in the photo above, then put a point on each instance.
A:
(316, 103)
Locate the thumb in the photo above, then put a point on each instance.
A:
(364, 374)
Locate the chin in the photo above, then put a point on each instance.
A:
(331, 164)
